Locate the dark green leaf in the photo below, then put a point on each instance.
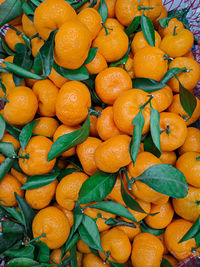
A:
(27, 214)
(9, 10)
(165, 179)
(27, 252)
(103, 10)
(91, 55)
(7, 242)
(115, 222)
(21, 262)
(114, 264)
(165, 263)
(37, 65)
(89, 233)
(94, 2)
(119, 62)
(155, 128)
(5, 167)
(7, 149)
(114, 208)
(67, 141)
(73, 261)
(97, 187)
(27, 9)
(80, 74)
(192, 232)
(9, 227)
(149, 146)
(172, 73)
(13, 213)
(164, 22)
(133, 25)
(197, 239)
(91, 86)
(78, 216)
(147, 85)
(2, 126)
(66, 172)
(66, 261)
(77, 4)
(13, 130)
(188, 100)
(148, 30)
(146, 229)
(138, 123)
(26, 134)
(43, 252)
(20, 48)
(6, 48)
(71, 242)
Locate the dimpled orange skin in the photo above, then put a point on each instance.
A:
(115, 195)
(173, 234)
(52, 222)
(130, 231)
(177, 131)
(85, 152)
(113, 154)
(149, 63)
(126, 107)
(147, 250)
(91, 18)
(62, 130)
(68, 189)
(191, 143)
(46, 126)
(97, 65)
(91, 260)
(140, 42)
(22, 178)
(7, 81)
(163, 98)
(140, 190)
(28, 26)
(111, 82)
(37, 148)
(36, 44)
(111, 8)
(72, 44)
(22, 106)
(112, 46)
(8, 186)
(170, 28)
(11, 37)
(163, 218)
(168, 157)
(112, 23)
(46, 93)
(68, 213)
(188, 208)
(177, 108)
(189, 165)
(82, 247)
(58, 10)
(57, 79)
(72, 103)
(8, 138)
(115, 241)
(93, 122)
(40, 198)
(190, 78)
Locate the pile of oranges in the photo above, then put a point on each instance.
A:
(99, 153)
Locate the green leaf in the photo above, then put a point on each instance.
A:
(192, 232)
(94, 2)
(138, 123)
(148, 30)
(71, 242)
(91, 55)
(165, 179)
(43, 252)
(146, 229)
(165, 263)
(133, 25)
(119, 62)
(73, 261)
(172, 73)
(80, 74)
(114, 208)
(67, 141)
(37, 65)
(5, 167)
(197, 239)
(115, 222)
(103, 10)
(89, 233)
(187, 99)
(7, 242)
(13, 213)
(26, 133)
(114, 264)
(21, 262)
(147, 85)
(20, 48)
(22, 72)
(27, 9)
(90, 83)
(2, 126)
(97, 187)
(27, 214)
(7, 149)
(77, 4)
(155, 128)
(13, 130)
(9, 10)
(9, 227)
(66, 172)
(27, 252)
(149, 146)
(164, 22)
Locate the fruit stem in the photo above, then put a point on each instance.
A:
(107, 254)
(145, 104)
(142, 7)
(174, 31)
(198, 158)
(94, 112)
(166, 57)
(106, 29)
(26, 156)
(34, 239)
(34, 36)
(167, 130)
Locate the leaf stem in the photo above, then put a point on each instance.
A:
(34, 239)
(142, 7)
(127, 178)
(106, 29)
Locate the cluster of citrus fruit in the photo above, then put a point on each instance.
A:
(99, 154)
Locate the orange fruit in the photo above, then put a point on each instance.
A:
(91, 18)
(140, 42)
(12, 38)
(188, 208)
(22, 106)
(126, 107)
(112, 23)
(171, 260)
(41, 197)
(68, 189)
(21, 177)
(62, 130)
(36, 44)
(115, 241)
(111, 8)
(162, 239)
(163, 98)
(53, 223)
(129, 67)
(139, 215)
(168, 157)
(68, 213)
(112, 46)
(59, 11)
(97, 65)
(93, 122)
(170, 28)
(37, 148)
(82, 247)
(28, 26)
(174, 131)
(72, 44)
(189, 54)
(46, 93)
(189, 165)
(72, 103)
(115, 195)
(55, 257)
(147, 250)
(2, 158)
(190, 78)
(154, 13)
(130, 231)
(163, 218)
(8, 186)
(177, 108)
(150, 62)
(8, 138)
(57, 79)
(46, 126)
(110, 83)
(163, 14)
(173, 234)
(85, 152)
(191, 143)
(91, 260)
(113, 154)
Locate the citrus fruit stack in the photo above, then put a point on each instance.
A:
(99, 153)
